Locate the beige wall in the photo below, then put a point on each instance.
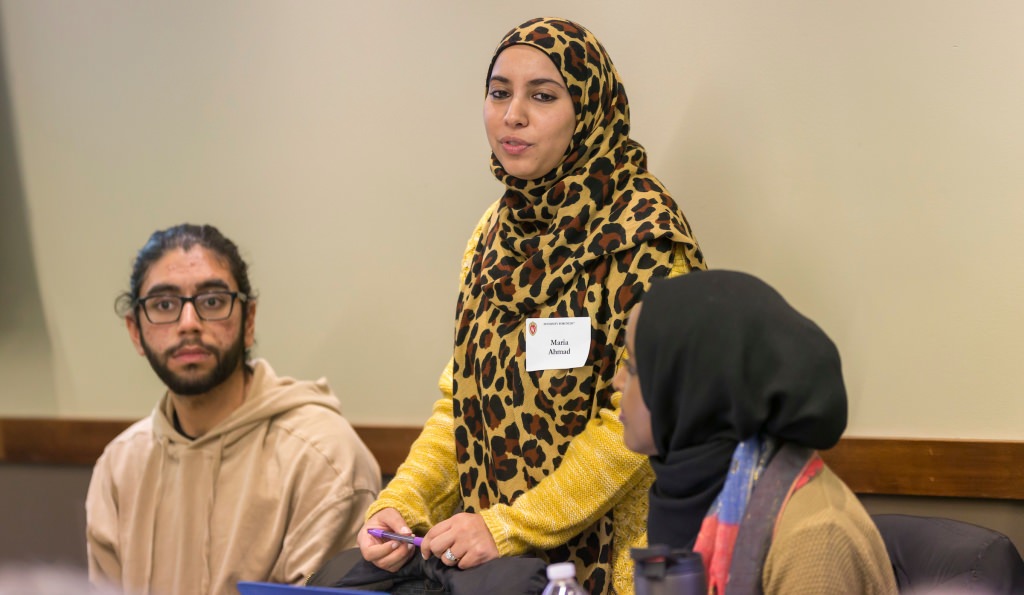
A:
(864, 157)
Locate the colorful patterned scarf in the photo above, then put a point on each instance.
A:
(716, 540)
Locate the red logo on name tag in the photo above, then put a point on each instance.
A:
(533, 328)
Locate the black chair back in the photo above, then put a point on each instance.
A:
(938, 553)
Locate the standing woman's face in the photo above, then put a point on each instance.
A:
(528, 113)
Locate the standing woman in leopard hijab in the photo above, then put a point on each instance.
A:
(523, 453)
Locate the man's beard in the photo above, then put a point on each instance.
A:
(227, 363)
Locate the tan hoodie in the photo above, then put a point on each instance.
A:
(266, 495)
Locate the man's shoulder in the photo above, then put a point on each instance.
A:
(141, 430)
(305, 417)
(320, 433)
(132, 444)
(313, 420)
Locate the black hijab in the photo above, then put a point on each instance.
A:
(722, 357)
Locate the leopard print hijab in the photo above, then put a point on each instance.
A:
(584, 240)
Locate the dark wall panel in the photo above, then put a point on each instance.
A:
(42, 513)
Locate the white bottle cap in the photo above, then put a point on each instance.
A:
(561, 571)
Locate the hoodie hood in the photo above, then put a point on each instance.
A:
(268, 395)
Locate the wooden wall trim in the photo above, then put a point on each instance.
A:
(44, 441)
(56, 441)
(921, 467)
(389, 444)
(889, 466)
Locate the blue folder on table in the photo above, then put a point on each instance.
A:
(256, 588)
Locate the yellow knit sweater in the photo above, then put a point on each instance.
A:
(598, 473)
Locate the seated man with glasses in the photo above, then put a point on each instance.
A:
(238, 473)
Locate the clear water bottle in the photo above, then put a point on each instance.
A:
(562, 580)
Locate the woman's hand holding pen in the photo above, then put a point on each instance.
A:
(385, 553)
(463, 540)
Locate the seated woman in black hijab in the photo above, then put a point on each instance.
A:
(730, 391)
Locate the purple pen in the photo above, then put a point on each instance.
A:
(382, 534)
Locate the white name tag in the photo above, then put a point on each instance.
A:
(556, 343)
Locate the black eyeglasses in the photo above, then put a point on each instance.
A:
(212, 305)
